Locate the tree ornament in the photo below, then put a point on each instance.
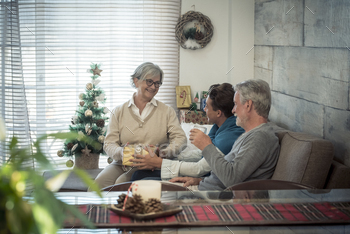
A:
(105, 110)
(70, 145)
(101, 97)
(153, 205)
(86, 151)
(96, 71)
(100, 123)
(81, 96)
(75, 119)
(109, 160)
(88, 113)
(60, 153)
(69, 163)
(87, 127)
(98, 146)
(81, 103)
(101, 139)
(96, 82)
(88, 86)
(74, 147)
(95, 104)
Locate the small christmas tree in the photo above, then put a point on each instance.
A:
(89, 120)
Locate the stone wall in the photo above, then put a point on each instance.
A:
(302, 49)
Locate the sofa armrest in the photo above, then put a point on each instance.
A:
(338, 176)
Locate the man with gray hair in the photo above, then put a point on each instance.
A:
(254, 154)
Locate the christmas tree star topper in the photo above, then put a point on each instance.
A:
(96, 71)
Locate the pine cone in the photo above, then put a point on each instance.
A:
(198, 36)
(135, 204)
(95, 104)
(100, 123)
(120, 201)
(70, 145)
(153, 205)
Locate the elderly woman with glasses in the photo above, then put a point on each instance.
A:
(142, 121)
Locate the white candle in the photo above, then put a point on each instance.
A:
(147, 189)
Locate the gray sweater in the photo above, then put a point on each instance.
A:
(253, 156)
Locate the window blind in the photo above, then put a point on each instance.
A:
(13, 105)
(59, 39)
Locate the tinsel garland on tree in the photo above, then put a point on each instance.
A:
(89, 119)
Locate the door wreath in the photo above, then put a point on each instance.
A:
(194, 30)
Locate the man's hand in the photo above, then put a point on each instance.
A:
(199, 139)
(187, 180)
(148, 161)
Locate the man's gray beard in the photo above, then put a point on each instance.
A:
(240, 122)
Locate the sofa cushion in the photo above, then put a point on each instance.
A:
(304, 159)
(73, 182)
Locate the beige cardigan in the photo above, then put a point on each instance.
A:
(161, 127)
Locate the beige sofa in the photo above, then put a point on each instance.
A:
(303, 159)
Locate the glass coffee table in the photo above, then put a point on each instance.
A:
(260, 211)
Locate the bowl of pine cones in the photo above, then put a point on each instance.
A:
(135, 207)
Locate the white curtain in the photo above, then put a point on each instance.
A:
(59, 39)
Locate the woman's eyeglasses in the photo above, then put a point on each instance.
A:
(150, 82)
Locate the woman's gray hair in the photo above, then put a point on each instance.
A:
(259, 92)
(145, 69)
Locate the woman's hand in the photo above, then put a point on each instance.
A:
(148, 161)
(149, 148)
(188, 181)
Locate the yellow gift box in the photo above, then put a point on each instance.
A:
(129, 152)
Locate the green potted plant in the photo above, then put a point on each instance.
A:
(27, 202)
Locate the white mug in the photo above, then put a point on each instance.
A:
(200, 127)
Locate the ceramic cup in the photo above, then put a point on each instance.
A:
(200, 127)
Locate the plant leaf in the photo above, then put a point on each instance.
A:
(56, 182)
(45, 221)
(87, 180)
(13, 143)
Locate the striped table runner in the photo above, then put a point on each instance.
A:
(231, 214)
